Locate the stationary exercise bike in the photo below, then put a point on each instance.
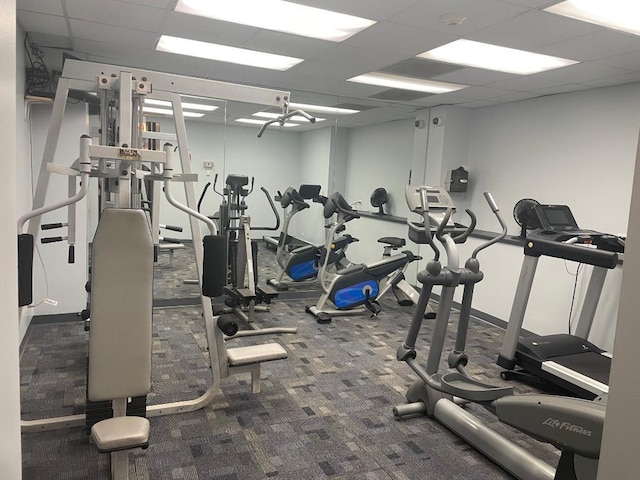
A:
(572, 425)
(356, 289)
(302, 264)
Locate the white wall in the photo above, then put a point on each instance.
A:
(314, 168)
(576, 149)
(10, 460)
(70, 294)
(378, 156)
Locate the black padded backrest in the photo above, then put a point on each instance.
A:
(309, 192)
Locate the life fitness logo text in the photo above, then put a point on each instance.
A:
(570, 427)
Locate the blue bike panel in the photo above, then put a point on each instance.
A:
(304, 270)
(356, 294)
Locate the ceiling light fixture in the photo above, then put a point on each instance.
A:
(494, 57)
(255, 121)
(406, 83)
(620, 15)
(167, 111)
(190, 106)
(322, 109)
(224, 53)
(280, 16)
(295, 118)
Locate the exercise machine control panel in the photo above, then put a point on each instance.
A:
(438, 199)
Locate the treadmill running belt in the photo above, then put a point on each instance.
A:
(591, 364)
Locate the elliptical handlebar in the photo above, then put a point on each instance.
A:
(501, 235)
(273, 209)
(204, 192)
(462, 237)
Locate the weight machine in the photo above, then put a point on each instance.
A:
(244, 297)
(124, 170)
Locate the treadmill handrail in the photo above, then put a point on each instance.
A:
(536, 247)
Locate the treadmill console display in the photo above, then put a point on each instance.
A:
(556, 218)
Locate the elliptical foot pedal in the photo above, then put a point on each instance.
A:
(458, 385)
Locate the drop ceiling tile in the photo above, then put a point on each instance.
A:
(371, 9)
(531, 3)
(632, 77)
(131, 57)
(526, 83)
(52, 8)
(42, 23)
(127, 15)
(482, 93)
(151, 3)
(420, 68)
(479, 103)
(626, 61)
(580, 73)
(109, 33)
(206, 29)
(325, 70)
(569, 87)
(370, 59)
(594, 45)
(286, 44)
(393, 37)
(179, 64)
(532, 29)
(474, 76)
(515, 97)
(399, 95)
(480, 14)
(45, 40)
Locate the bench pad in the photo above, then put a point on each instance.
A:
(255, 354)
(120, 433)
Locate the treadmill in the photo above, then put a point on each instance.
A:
(567, 361)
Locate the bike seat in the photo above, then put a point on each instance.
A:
(393, 241)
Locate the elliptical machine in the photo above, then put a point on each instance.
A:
(302, 264)
(356, 289)
(572, 425)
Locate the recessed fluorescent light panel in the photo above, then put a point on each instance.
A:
(295, 118)
(621, 15)
(255, 121)
(494, 57)
(322, 109)
(280, 16)
(224, 53)
(190, 106)
(406, 83)
(168, 111)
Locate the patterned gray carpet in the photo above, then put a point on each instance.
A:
(325, 412)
